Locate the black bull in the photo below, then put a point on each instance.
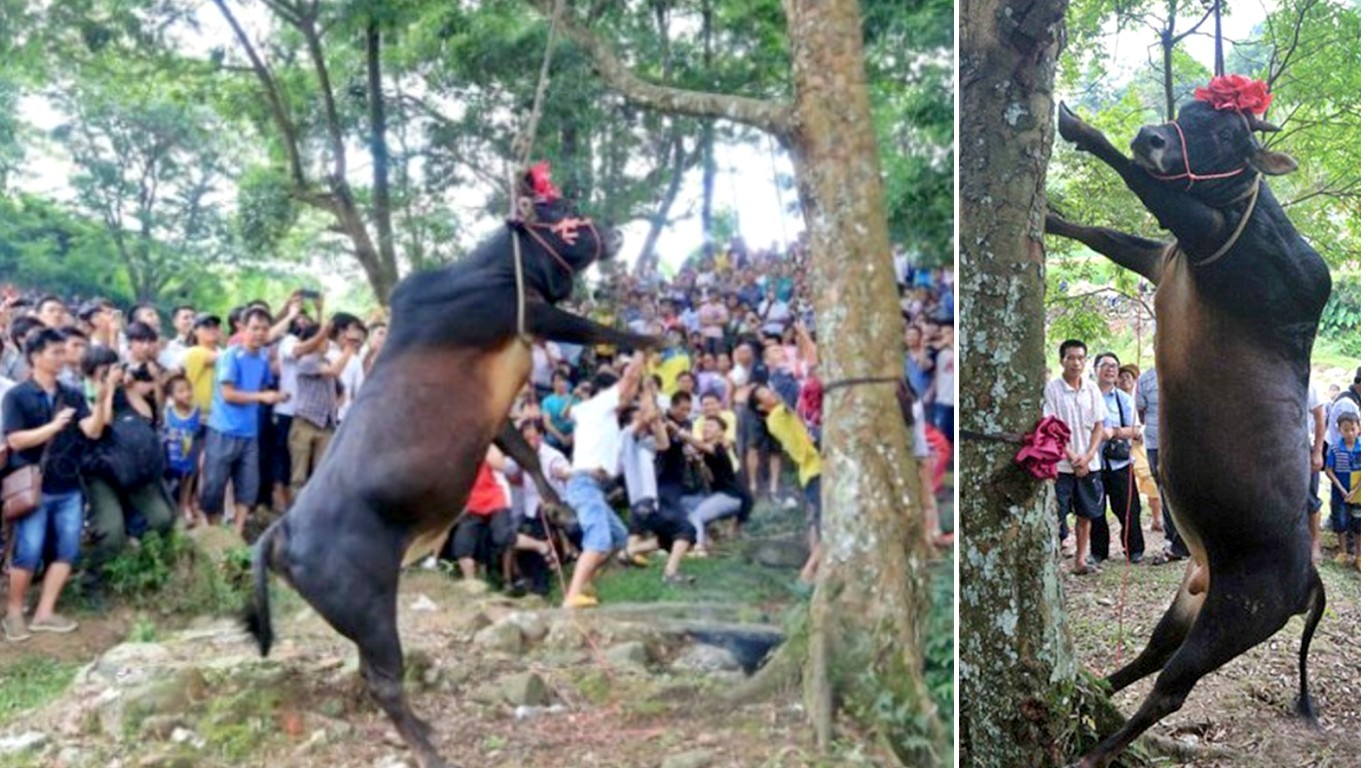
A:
(1239, 295)
(402, 464)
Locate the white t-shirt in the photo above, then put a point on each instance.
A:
(774, 315)
(552, 464)
(1080, 409)
(353, 375)
(944, 376)
(544, 358)
(289, 375)
(597, 438)
(172, 357)
(1315, 401)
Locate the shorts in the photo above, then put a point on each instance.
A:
(1315, 503)
(754, 434)
(603, 530)
(1082, 496)
(487, 535)
(812, 493)
(229, 458)
(1345, 517)
(55, 526)
(668, 529)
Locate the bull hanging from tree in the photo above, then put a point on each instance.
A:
(1239, 295)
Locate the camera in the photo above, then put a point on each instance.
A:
(308, 293)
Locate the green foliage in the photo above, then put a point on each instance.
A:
(146, 569)
(30, 682)
(171, 575)
(1340, 328)
(44, 246)
(144, 631)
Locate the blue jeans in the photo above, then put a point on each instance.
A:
(603, 530)
(62, 514)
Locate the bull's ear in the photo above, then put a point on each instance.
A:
(1272, 163)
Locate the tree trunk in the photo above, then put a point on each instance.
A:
(379, 157)
(1016, 663)
(648, 259)
(872, 594)
(708, 142)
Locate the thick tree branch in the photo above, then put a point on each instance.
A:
(771, 116)
(288, 135)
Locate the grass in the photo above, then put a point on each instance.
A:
(32, 682)
(719, 579)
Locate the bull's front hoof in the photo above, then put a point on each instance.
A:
(1073, 128)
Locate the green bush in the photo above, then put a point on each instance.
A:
(172, 575)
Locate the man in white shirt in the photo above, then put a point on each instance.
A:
(1316, 426)
(1079, 404)
(597, 452)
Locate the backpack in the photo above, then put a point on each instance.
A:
(129, 454)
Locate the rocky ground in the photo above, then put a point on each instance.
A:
(505, 683)
(1245, 707)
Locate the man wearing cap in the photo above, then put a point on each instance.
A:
(200, 359)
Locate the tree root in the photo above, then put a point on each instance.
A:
(1176, 749)
(782, 672)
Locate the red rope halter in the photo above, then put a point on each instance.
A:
(1188, 174)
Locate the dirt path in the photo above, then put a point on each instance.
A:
(1248, 704)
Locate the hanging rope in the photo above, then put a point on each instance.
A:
(521, 149)
(1218, 38)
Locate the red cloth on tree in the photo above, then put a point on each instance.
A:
(1044, 448)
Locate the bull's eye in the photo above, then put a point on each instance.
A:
(1225, 135)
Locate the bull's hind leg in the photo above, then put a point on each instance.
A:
(1169, 633)
(355, 589)
(1227, 626)
(1304, 705)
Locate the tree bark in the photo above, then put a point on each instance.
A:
(379, 155)
(867, 612)
(1016, 663)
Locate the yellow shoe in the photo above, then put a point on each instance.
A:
(580, 601)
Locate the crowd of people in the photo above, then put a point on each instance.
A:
(1111, 460)
(216, 422)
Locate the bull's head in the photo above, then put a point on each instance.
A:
(1209, 150)
(576, 238)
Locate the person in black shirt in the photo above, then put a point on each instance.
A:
(48, 424)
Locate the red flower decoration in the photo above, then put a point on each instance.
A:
(1044, 448)
(541, 185)
(1236, 92)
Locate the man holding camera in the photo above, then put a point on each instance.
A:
(1116, 474)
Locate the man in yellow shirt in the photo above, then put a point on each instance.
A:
(670, 362)
(787, 429)
(201, 359)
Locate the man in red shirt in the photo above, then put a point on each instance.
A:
(488, 519)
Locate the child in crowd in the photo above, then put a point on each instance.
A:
(1344, 472)
(182, 434)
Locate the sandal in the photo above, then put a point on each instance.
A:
(1090, 569)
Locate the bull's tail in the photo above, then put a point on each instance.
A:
(256, 617)
(1304, 705)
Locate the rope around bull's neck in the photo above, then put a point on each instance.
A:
(1237, 231)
